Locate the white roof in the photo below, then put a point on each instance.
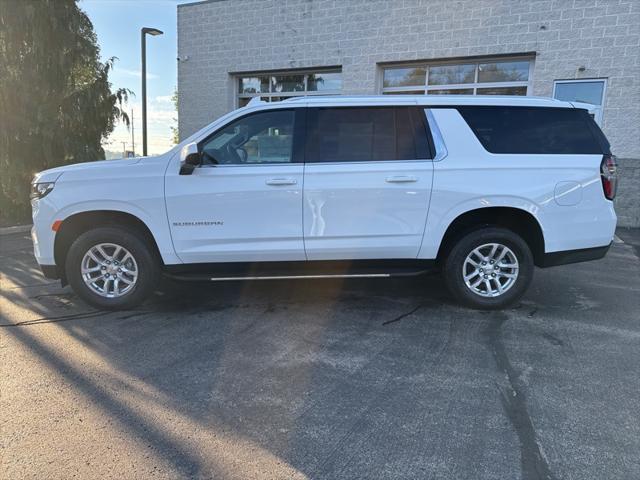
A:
(431, 100)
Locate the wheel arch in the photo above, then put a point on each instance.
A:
(515, 219)
(75, 225)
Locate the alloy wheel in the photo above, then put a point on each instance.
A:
(109, 270)
(490, 270)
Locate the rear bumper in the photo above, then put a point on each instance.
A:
(573, 256)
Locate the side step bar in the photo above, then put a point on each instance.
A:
(285, 277)
(223, 272)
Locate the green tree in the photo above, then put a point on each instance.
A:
(175, 132)
(56, 102)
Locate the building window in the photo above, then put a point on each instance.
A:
(585, 91)
(274, 87)
(482, 77)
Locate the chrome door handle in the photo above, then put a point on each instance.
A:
(401, 179)
(281, 181)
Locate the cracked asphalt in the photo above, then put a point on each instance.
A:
(323, 379)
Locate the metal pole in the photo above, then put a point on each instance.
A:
(143, 46)
(133, 138)
(143, 41)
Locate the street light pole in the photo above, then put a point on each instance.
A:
(143, 44)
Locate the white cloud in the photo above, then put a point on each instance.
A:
(164, 98)
(134, 73)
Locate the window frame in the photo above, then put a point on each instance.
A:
(268, 96)
(418, 110)
(297, 146)
(599, 109)
(475, 85)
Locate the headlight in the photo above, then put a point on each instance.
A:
(40, 190)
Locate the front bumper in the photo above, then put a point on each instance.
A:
(573, 256)
(42, 235)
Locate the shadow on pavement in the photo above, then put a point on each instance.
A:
(339, 379)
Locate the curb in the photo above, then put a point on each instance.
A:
(15, 229)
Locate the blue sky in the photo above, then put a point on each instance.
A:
(117, 24)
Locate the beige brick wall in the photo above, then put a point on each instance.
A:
(223, 36)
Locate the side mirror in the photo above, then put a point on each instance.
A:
(190, 158)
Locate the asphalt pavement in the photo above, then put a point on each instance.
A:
(323, 379)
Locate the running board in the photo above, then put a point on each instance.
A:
(312, 270)
(286, 277)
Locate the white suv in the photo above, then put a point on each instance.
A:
(482, 187)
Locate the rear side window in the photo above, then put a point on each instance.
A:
(364, 134)
(534, 130)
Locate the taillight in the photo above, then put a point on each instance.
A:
(609, 176)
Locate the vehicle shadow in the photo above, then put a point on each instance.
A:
(317, 378)
(268, 361)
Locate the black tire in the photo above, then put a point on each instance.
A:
(147, 266)
(455, 260)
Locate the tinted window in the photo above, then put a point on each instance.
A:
(264, 137)
(363, 134)
(533, 130)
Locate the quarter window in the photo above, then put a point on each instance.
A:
(258, 138)
(365, 134)
(534, 130)
(484, 77)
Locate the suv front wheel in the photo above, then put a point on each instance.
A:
(489, 268)
(111, 268)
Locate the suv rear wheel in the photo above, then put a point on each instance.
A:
(489, 268)
(111, 268)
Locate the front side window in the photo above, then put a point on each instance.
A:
(258, 138)
(364, 134)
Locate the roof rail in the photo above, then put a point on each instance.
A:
(255, 101)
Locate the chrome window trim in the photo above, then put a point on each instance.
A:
(370, 162)
(244, 165)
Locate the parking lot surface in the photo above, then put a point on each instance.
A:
(323, 379)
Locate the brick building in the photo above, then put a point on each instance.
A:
(582, 50)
